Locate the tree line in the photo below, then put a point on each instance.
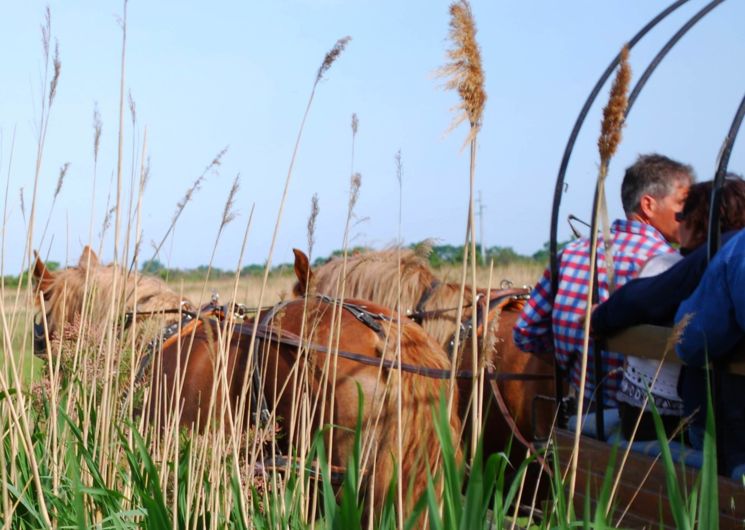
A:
(439, 256)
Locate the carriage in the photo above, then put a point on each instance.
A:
(646, 482)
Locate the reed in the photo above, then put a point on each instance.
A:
(466, 76)
(610, 137)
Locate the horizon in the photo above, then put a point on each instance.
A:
(240, 76)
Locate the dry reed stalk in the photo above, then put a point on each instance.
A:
(465, 74)
(354, 192)
(243, 502)
(326, 64)
(610, 137)
(133, 176)
(105, 429)
(47, 99)
(186, 199)
(399, 397)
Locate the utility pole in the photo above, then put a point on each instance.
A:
(481, 227)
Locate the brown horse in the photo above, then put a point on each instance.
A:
(310, 357)
(313, 356)
(377, 276)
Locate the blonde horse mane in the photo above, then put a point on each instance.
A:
(90, 288)
(375, 275)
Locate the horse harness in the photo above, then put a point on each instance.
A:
(506, 295)
(263, 330)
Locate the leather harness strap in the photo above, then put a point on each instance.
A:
(497, 393)
(291, 339)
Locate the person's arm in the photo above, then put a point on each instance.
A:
(714, 315)
(652, 300)
(533, 331)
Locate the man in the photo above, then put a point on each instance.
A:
(653, 190)
(715, 315)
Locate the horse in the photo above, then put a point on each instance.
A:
(78, 301)
(313, 355)
(402, 276)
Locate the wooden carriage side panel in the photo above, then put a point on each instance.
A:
(644, 490)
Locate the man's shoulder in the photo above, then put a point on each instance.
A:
(636, 237)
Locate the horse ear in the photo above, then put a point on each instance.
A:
(302, 271)
(88, 258)
(41, 276)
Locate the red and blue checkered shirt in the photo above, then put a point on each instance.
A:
(551, 323)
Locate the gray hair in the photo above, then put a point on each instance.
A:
(654, 175)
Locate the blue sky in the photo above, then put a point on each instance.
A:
(238, 74)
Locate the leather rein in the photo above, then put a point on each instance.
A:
(280, 336)
(500, 298)
(266, 332)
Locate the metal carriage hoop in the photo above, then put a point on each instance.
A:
(559, 188)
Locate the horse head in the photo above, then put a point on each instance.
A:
(57, 298)
(303, 273)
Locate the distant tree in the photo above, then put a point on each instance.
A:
(253, 269)
(544, 254)
(445, 255)
(152, 266)
(503, 255)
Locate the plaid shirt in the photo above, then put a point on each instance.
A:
(551, 323)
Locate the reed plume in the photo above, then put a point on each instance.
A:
(331, 56)
(467, 77)
(186, 199)
(613, 113)
(132, 108)
(61, 179)
(57, 189)
(610, 137)
(312, 224)
(56, 70)
(97, 129)
(228, 214)
(23, 203)
(354, 191)
(464, 71)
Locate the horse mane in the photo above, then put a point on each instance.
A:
(375, 275)
(420, 349)
(71, 288)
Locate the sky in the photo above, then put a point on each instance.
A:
(208, 75)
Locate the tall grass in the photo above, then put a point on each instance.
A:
(75, 454)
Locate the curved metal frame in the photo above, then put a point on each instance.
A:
(715, 235)
(558, 191)
(559, 188)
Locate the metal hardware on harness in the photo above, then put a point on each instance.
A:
(129, 315)
(359, 312)
(157, 342)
